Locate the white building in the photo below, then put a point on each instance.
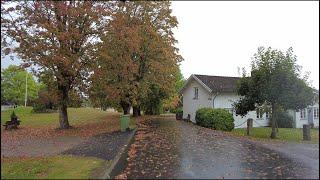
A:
(309, 115)
(220, 92)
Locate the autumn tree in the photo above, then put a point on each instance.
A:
(152, 104)
(137, 51)
(55, 36)
(174, 100)
(276, 82)
(97, 92)
(48, 95)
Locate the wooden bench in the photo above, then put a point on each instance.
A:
(13, 124)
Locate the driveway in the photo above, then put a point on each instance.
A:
(166, 148)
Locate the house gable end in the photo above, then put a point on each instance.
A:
(190, 79)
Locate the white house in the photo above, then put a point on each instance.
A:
(309, 115)
(220, 92)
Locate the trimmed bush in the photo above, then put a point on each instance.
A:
(41, 108)
(202, 117)
(217, 119)
(284, 120)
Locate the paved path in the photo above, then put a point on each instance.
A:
(38, 146)
(166, 148)
(104, 146)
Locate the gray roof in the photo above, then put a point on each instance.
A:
(219, 83)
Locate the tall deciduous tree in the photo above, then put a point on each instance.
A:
(174, 99)
(13, 85)
(275, 81)
(138, 52)
(56, 36)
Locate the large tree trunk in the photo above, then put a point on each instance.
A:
(273, 121)
(63, 113)
(126, 107)
(136, 111)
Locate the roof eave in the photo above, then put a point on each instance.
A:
(198, 80)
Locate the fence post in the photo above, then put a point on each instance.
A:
(249, 126)
(306, 132)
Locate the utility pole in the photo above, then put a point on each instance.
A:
(26, 95)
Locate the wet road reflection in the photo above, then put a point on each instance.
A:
(166, 148)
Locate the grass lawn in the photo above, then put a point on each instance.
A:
(285, 134)
(87, 122)
(76, 116)
(53, 167)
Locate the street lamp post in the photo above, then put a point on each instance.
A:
(26, 94)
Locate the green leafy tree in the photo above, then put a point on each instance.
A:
(13, 85)
(152, 103)
(275, 81)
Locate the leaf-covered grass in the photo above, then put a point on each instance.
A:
(53, 167)
(76, 116)
(285, 134)
(86, 122)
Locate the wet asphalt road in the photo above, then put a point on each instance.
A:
(166, 148)
(104, 146)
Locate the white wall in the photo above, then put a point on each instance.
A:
(316, 120)
(190, 105)
(222, 100)
(299, 122)
(241, 122)
(225, 100)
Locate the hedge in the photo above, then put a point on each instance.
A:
(284, 120)
(217, 119)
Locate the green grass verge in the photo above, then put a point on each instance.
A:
(285, 134)
(53, 167)
(76, 116)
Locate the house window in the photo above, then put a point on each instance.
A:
(267, 115)
(316, 113)
(303, 114)
(196, 93)
(259, 113)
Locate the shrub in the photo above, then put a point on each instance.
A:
(13, 115)
(179, 113)
(218, 119)
(38, 108)
(47, 101)
(284, 120)
(202, 117)
(42, 108)
(179, 110)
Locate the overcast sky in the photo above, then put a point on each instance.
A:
(217, 37)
